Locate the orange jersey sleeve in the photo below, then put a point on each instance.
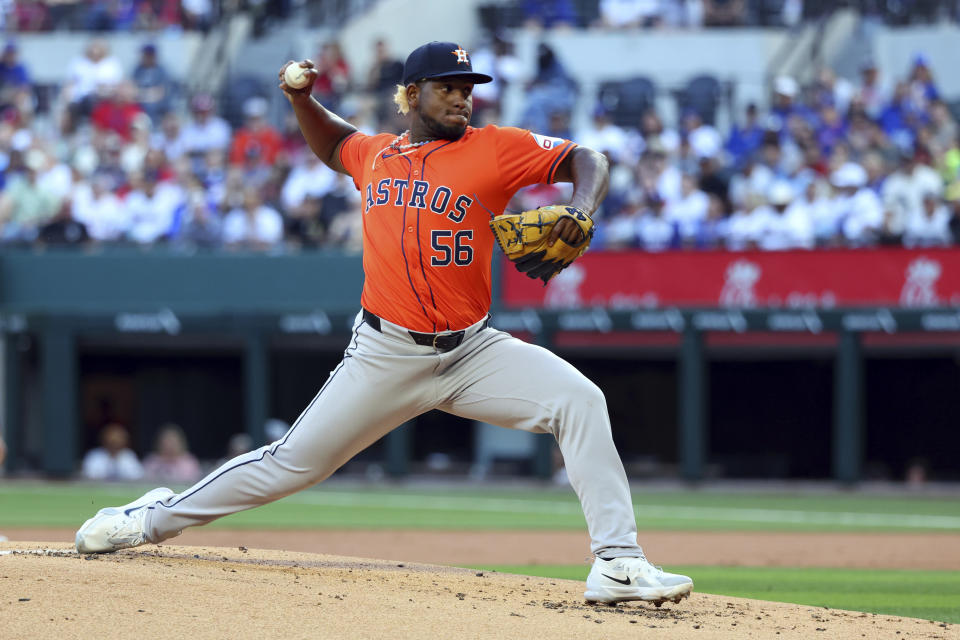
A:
(525, 158)
(358, 146)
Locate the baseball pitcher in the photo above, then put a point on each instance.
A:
(422, 338)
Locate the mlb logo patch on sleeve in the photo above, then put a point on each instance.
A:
(547, 142)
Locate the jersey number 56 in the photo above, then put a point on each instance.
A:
(457, 250)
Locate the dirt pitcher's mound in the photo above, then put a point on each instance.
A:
(207, 592)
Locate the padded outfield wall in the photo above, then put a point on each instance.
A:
(839, 364)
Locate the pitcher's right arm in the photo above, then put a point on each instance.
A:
(323, 130)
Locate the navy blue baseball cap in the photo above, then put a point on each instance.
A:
(440, 60)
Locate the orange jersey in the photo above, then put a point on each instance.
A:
(427, 243)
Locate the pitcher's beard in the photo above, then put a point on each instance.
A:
(438, 130)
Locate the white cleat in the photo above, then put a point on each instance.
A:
(623, 579)
(115, 528)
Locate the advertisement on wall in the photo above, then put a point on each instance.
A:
(784, 279)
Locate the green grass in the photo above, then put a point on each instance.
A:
(931, 595)
(922, 594)
(66, 505)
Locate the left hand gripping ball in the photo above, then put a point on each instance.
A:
(295, 76)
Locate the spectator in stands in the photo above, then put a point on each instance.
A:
(99, 209)
(171, 138)
(156, 160)
(551, 89)
(898, 118)
(687, 212)
(657, 174)
(498, 61)
(621, 228)
(113, 459)
(745, 138)
(714, 178)
(724, 13)
(54, 176)
(605, 137)
(784, 106)
(788, 226)
(857, 208)
(254, 225)
(903, 190)
(62, 229)
(133, 154)
(213, 175)
(89, 77)
(874, 165)
(922, 88)
(815, 198)
(64, 15)
(333, 76)
(382, 78)
(256, 136)
(548, 14)
(631, 14)
(171, 461)
(712, 230)
(197, 14)
(862, 134)
(830, 89)
(832, 129)
(943, 127)
(654, 231)
(206, 130)
(305, 226)
(154, 86)
(24, 204)
(386, 70)
(292, 145)
(705, 141)
(929, 227)
(117, 111)
(746, 224)
(652, 127)
(342, 207)
(238, 444)
(151, 207)
(767, 166)
(310, 178)
(873, 92)
(198, 224)
(14, 77)
(102, 15)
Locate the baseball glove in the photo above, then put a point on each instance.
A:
(523, 238)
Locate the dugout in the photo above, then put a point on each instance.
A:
(222, 343)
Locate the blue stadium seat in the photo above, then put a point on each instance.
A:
(627, 100)
(701, 94)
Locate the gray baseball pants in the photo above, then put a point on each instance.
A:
(386, 379)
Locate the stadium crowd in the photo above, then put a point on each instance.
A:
(122, 159)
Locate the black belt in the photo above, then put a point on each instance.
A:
(439, 341)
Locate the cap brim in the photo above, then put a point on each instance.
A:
(475, 78)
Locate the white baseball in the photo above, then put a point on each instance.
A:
(295, 76)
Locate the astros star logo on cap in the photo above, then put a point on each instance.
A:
(461, 55)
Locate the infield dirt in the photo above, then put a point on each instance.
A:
(208, 592)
